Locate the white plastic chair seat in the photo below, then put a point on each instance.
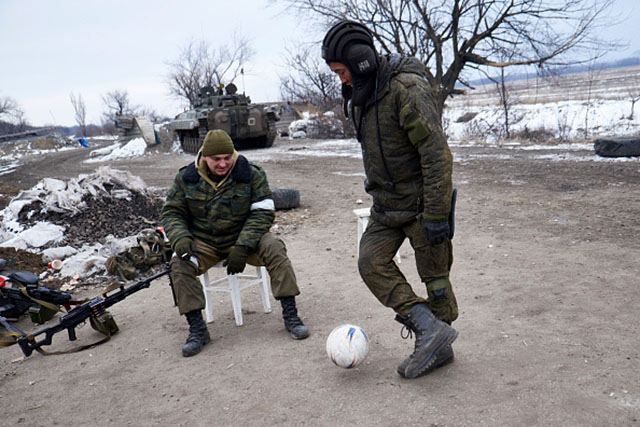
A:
(233, 284)
(363, 220)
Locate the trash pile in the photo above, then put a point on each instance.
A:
(316, 126)
(81, 222)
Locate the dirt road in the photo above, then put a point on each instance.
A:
(546, 273)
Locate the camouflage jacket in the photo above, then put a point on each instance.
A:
(407, 161)
(240, 212)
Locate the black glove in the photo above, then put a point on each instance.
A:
(436, 231)
(237, 259)
(183, 247)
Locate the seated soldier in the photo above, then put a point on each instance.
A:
(220, 208)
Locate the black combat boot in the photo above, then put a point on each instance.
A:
(443, 357)
(198, 334)
(432, 336)
(292, 322)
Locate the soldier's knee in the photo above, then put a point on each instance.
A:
(366, 263)
(269, 241)
(442, 300)
(180, 266)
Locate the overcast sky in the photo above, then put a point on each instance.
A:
(49, 49)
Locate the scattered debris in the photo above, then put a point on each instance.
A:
(81, 222)
(316, 126)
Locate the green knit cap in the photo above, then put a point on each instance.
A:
(217, 142)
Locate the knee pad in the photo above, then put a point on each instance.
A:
(442, 302)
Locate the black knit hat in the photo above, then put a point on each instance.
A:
(350, 43)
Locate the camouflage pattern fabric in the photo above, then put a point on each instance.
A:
(222, 217)
(384, 279)
(408, 166)
(411, 143)
(152, 249)
(271, 253)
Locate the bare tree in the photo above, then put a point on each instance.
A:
(200, 65)
(9, 108)
(12, 117)
(309, 80)
(452, 35)
(633, 93)
(151, 114)
(592, 75)
(505, 99)
(117, 104)
(80, 112)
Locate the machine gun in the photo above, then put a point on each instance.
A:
(93, 309)
(20, 292)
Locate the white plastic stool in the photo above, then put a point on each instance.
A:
(363, 221)
(233, 284)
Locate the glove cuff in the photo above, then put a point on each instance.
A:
(240, 250)
(434, 217)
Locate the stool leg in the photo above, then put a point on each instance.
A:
(236, 300)
(208, 307)
(261, 272)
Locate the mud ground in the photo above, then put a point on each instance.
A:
(546, 274)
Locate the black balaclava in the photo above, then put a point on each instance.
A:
(362, 62)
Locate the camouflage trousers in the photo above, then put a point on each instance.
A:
(384, 279)
(271, 253)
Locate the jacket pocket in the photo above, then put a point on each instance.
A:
(240, 202)
(197, 204)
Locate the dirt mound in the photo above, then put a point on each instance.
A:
(18, 259)
(81, 222)
(105, 215)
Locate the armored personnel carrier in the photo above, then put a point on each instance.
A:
(248, 124)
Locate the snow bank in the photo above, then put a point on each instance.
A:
(134, 148)
(566, 120)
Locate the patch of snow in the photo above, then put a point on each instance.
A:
(134, 148)
(105, 150)
(41, 234)
(563, 119)
(9, 167)
(59, 252)
(297, 134)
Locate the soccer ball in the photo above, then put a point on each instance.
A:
(347, 346)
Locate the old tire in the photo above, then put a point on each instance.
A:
(617, 147)
(285, 198)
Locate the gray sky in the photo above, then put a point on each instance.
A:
(91, 47)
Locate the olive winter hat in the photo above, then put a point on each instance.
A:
(217, 142)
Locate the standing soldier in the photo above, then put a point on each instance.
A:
(220, 208)
(408, 174)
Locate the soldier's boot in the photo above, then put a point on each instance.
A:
(198, 334)
(292, 322)
(432, 336)
(443, 357)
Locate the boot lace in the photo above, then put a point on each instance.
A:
(290, 315)
(406, 332)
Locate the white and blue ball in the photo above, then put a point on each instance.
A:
(347, 346)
